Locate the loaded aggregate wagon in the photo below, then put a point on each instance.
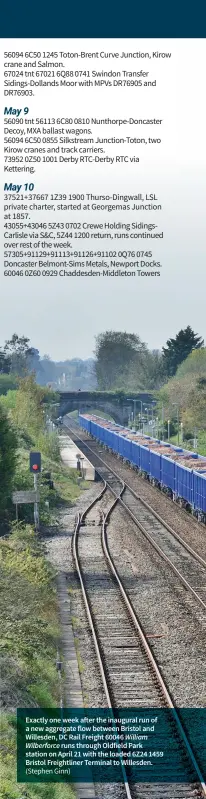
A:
(178, 472)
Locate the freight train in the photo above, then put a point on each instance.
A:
(180, 473)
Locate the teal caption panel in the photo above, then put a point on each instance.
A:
(101, 745)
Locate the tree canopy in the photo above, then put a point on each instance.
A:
(177, 349)
(18, 357)
(187, 389)
(116, 354)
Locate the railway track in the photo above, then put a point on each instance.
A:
(187, 565)
(129, 671)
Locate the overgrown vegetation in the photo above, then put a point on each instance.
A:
(24, 427)
(29, 623)
(8, 445)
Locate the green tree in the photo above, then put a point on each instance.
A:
(153, 374)
(4, 363)
(117, 355)
(8, 446)
(195, 413)
(194, 364)
(8, 400)
(177, 349)
(176, 393)
(7, 381)
(187, 389)
(29, 413)
(48, 371)
(20, 356)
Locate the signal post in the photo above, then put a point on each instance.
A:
(35, 468)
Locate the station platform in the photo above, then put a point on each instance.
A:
(70, 454)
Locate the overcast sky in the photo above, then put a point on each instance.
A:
(62, 316)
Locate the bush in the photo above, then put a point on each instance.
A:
(8, 401)
(7, 382)
(28, 412)
(8, 447)
(48, 443)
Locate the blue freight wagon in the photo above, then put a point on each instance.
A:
(145, 459)
(155, 466)
(199, 491)
(182, 482)
(86, 423)
(135, 454)
(125, 448)
(168, 473)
